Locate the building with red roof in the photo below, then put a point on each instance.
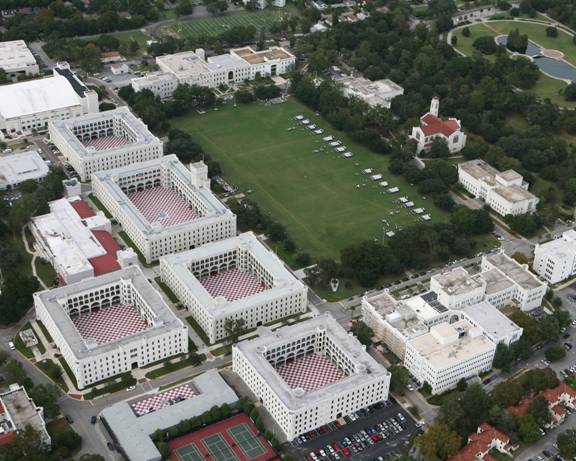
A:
(433, 127)
(77, 241)
(480, 444)
(558, 399)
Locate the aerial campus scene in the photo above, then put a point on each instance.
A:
(317, 230)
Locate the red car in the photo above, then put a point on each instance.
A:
(346, 452)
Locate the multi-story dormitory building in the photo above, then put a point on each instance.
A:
(111, 324)
(194, 68)
(237, 278)
(555, 260)
(104, 141)
(309, 374)
(163, 206)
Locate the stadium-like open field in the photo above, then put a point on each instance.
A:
(216, 25)
(323, 199)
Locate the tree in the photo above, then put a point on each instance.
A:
(551, 31)
(438, 149)
(502, 357)
(28, 445)
(539, 411)
(461, 385)
(466, 31)
(438, 442)
(567, 444)
(46, 396)
(400, 378)
(570, 92)
(485, 44)
(234, 328)
(14, 372)
(507, 393)
(555, 353)
(528, 429)
(363, 332)
(517, 42)
(217, 6)
(184, 7)
(444, 23)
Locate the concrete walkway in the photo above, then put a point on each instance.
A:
(34, 254)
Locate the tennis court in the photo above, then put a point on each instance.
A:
(189, 453)
(247, 441)
(234, 439)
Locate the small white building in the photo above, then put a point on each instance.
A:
(310, 374)
(494, 324)
(20, 167)
(555, 260)
(31, 105)
(264, 3)
(17, 412)
(119, 68)
(505, 192)
(374, 93)
(163, 206)
(448, 353)
(108, 325)
(433, 127)
(75, 245)
(104, 141)
(193, 68)
(236, 278)
(17, 60)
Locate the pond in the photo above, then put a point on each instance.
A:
(553, 67)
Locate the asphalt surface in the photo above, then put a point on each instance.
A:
(394, 444)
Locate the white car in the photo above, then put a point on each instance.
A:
(130, 389)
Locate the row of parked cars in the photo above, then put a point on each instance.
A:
(361, 440)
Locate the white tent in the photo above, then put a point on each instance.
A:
(383, 183)
(319, 131)
(312, 127)
(348, 154)
(367, 171)
(403, 199)
(335, 143)
(390, 234)
(418, 210)
(393, 190)
(340, 149)
(306, 122)
(299, 117)
(409, 204)
(426, 217)
(376, 177)
(327, 138)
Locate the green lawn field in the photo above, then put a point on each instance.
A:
(314, 195)
(546, 87)
(216, 25)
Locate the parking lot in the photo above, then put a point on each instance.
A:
(382, 430)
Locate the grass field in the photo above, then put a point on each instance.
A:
(546, 87)
(314, 195)
(216, 25)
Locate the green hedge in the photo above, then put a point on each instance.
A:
(126, 381)
(166, 289)
(54, 372)
(199, 331)
(192, 360)
(68, 371)
(100, 206)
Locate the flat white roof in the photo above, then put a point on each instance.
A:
(443, 347)
(283, 281)
(494, 322)
(366, 368)
(36, 96)
(22, 166)
(71, 242)
(560, 247)
(133, 432)
(15, 55)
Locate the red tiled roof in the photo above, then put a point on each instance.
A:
(553, 395)
(522, 408)
(430, 125)
(106, 263)
(480, 442)
(2, 409)
(82, 208)
(7, 438)
(559, 410)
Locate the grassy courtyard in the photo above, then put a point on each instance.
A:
(216, 25)
(546, 87)
(323, 200)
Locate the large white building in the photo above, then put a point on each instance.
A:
(309, 374)
(20, 167)
(261, 4)
(494, 324)
(31, 105)
(502, 281)
(505, 192)
(555, 260)
(433, 127)
(104, 141)
(108, 325)
(193, 68)
(163, 206)
(374, 93)
(17, 60)
(236, 278)
(448, 353)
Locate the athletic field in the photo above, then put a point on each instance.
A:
(324, 200)
(234, 439)
(218, 24)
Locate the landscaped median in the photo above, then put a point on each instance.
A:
(193, 359)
